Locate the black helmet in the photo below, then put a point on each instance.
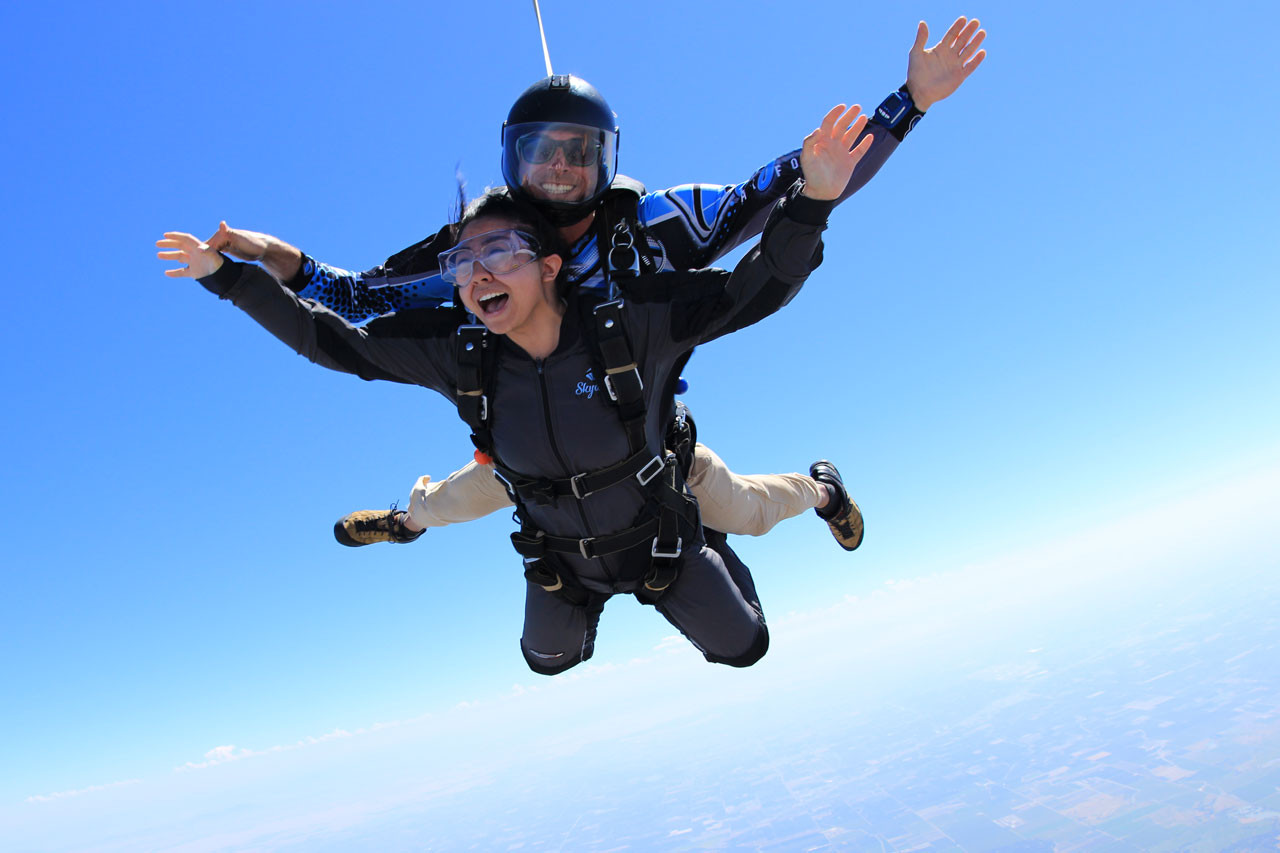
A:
(563, 116)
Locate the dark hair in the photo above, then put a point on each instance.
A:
(497, 201)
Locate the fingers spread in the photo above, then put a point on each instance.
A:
(829, 120)
(972, 65)
(856, 128)
(848, 118)
(953, 32)
(973, 45)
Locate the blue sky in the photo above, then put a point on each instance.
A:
(1054, 307)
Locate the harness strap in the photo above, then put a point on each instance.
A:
(539, 543)
(622, 375)
(539, 571)
(473, 403)
(664, 566)
(644, 466)
(662, 531)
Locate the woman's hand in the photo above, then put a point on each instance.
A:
(829, 156)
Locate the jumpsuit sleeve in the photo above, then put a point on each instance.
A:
(703, 305)
(700, 223)
(412, 347)
(409, 279)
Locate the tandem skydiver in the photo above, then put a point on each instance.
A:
(540, 335)
(559, 153)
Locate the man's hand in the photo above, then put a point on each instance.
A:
(935, 73)
(279, 258)
(198, 259)
(245, 245)
(828, 156)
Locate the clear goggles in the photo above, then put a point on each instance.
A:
(502, 251)
(538, 147)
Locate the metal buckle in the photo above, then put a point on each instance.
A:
(506, 484)
(484, 407)
(574, 486)
(608, 383)
(667, 555)
(543, 492)
(644, 475)
(584, 544)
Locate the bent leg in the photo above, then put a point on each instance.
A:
(747, 504)
(469, 493)
(714, 604)
(558, 635)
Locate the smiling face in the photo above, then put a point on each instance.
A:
(556, 178)
(521, 303)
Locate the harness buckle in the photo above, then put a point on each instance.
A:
(608, 383)
(506, 484)
(575, 486)
(644, 475)
(529, 547)
(484, 407)
(543, 491)
(666, 555)
(585, 545)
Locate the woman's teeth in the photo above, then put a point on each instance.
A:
(491, 302)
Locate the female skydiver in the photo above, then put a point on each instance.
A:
(627, 525)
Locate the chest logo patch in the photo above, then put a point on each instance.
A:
(588, 388)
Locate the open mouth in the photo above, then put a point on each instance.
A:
(491, 303)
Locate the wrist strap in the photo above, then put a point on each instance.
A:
(898, 114)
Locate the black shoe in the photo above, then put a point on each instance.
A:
(842, 516)
(368, 526)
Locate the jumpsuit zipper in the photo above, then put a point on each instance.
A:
(564, 466)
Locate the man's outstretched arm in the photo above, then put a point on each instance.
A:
(278, 257)
(700, 223)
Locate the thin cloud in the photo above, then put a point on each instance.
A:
(62, 795)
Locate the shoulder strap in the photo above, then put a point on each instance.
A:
(607, 330)
(620, 238)
(474, 348)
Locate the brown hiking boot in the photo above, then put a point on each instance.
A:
(843, 516)
(368, 526)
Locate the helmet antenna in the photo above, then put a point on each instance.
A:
(545, 53)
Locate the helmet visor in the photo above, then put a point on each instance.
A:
(559, 164)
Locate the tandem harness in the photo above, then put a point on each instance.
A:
(668, 508)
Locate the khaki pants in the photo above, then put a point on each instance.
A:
(744, 504)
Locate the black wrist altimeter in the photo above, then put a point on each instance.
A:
(897, 113)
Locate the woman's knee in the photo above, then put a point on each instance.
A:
(553, 663)
(756, 650)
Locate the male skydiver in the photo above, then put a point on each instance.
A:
(559, 153)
